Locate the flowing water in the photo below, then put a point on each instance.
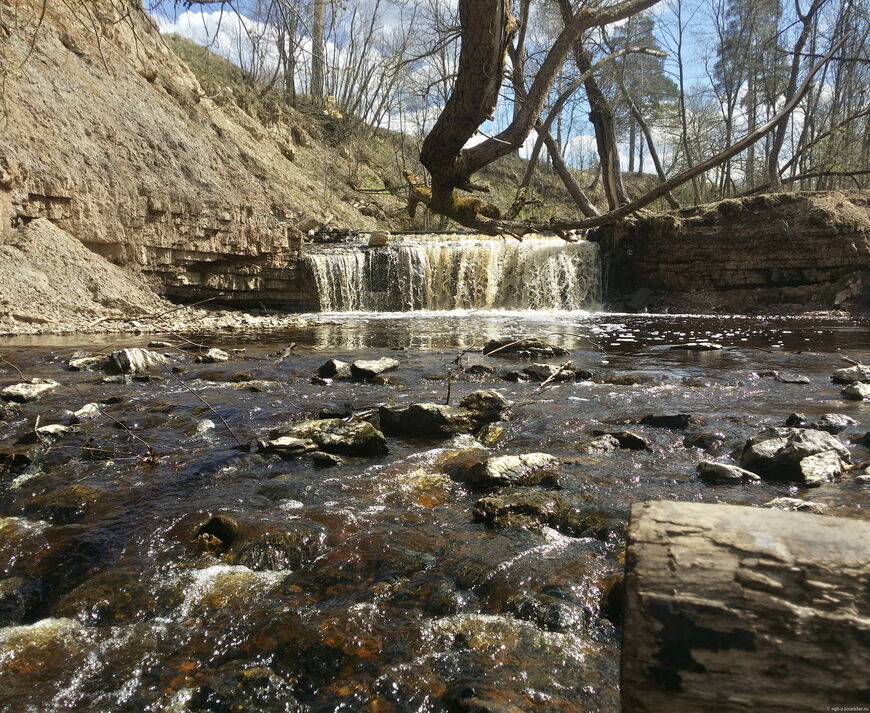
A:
(452, 272)
(371, 586)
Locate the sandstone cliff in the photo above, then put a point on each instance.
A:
(110, 136)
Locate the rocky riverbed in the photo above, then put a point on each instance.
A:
(405, 513)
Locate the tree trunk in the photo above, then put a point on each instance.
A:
(735, 609)
(318, 26)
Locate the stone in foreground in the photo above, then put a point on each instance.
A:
(28, 392)
(732, 609)
(334, 435)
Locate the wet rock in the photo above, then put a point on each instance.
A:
(239, 687)
(705, 440)
(117, 379)
(44, 434)
(379, 239)
(862, 479)
(632, 379)
(334, 435)
(599, 444)
(797, 420)
(834, 423)
(320, 381)
(778, 452)
(81, 361)
(8, 410)
(724, 474)
(13, 461)
(488, 405)
(524, 469)
(787, 378)
(491, 434)
(160, 345)
(515, 377)
(548, 612)
(334, 369)
(134, 361)
(796, 505)
(865, 440)
(18, 597)
(325, 460)
(858, 372)
(88, 412)
(527, 348)
(334, 410)
(678, 421)
(626, 439)
(217, 533)
(289, 446)
(366, 370)
(857, 391)
(551, 372)
(66, 504)
(213, 356)
(697, 347)
(519, 509)
(29, 391)
(821, 468)
(479, 370)
(428, 420)
(289, 548)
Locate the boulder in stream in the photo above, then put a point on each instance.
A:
(213, 356)
(530, 348)
(858, 372)
(366, 370)
(857, 391)
(705, 440)
(522, 469)
(724, 474)
(134, 361)
(335, 435)
(334, 369)
(551, 372)
(427, 420)
(626, 439)
(488, 405)
(796, 505)
(28, 391)
(87, 361)
(679, 421)
(778, 453)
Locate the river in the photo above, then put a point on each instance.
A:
(375, 585)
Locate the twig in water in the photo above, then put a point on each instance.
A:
(152, 454)
(209, 406)
(552, 376)
(8, 363)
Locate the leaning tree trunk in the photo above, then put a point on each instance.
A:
(318, 48)
(736, 609)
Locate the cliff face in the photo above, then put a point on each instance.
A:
(804, 249)
(108, 134)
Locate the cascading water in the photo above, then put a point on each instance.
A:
(458, 272)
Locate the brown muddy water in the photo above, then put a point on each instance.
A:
(370, 586)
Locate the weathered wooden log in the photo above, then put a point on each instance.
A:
(732, 608)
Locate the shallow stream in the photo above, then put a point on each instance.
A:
(374, 585)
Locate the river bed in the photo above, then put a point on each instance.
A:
(376, 585)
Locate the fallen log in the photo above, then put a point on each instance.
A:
(732, 608)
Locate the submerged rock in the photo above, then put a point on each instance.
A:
(335, 435)
(65, 504)
(29, 391)
(18, 597)
(551, 372)
(220, 531)
(599, 444)
(134, 361)
(289, 446)
(292, 546)
(334, 369)
(524, 469)
(366, 370)
(82, 361)
(705, 440)
(858, 372)
(697, 347)
(529, 348)
(857, 391)
(779, 452)
(325, 460)
(489, 405)
(678, 421)
(88, 412)
(722, 473)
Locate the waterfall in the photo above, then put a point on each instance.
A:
(457, 272)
